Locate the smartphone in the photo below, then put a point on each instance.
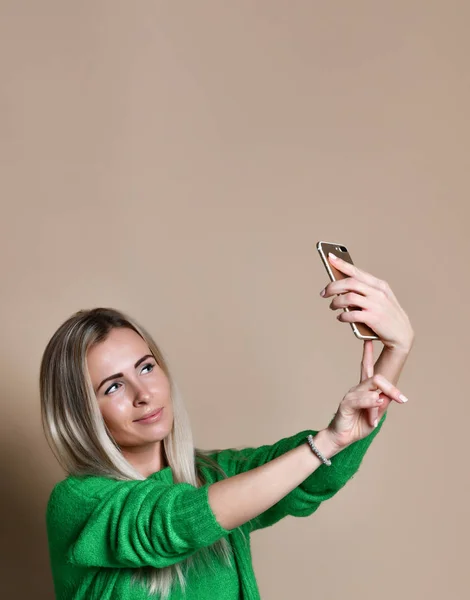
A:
(361, 330)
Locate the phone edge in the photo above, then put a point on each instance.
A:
(356, 332)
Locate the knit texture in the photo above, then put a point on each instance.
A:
(100, 530)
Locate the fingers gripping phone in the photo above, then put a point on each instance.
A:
(361, 330)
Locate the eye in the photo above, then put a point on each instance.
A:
(110, 388)
(148, 365)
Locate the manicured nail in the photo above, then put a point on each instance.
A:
(323, 292)
(403, 398)
(332, 255)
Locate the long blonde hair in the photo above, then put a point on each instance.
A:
(81, 442)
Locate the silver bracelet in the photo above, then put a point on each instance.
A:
(315, 450)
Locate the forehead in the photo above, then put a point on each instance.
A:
(119, 351)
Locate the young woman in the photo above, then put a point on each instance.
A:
(144, 514)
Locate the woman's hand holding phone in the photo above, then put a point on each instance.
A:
(381, 310)
(373, 311)
(363, 406)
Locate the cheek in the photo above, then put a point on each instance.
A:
(115, 413)
(160, 387)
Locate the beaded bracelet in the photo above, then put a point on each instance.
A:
(315, 450)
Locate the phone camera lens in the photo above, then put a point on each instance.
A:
(343, 249)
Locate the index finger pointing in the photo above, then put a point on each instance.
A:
(367, 364)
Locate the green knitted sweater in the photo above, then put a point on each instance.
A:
(100, 530)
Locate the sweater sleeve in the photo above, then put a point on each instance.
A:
(134, 524)
(321, 485)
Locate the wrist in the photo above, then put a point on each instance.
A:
(402, 347)
(326, 443)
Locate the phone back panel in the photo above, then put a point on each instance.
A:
(361, 330)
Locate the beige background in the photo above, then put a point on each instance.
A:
(179, 160)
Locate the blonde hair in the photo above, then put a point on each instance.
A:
(81, 442)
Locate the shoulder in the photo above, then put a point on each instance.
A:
(85, 487)
(76, 494)
(75, 489)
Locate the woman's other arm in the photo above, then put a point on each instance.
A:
(241, 498)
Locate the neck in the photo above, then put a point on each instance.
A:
(146, 459)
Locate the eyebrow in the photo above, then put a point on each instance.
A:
(116, 375)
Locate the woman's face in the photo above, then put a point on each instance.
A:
(128, 385)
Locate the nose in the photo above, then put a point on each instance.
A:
(141, 393)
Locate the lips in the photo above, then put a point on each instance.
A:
(150, 415)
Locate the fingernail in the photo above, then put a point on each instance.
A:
(403, 398)
(322, 293)
(376, 422)
(332, 255)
